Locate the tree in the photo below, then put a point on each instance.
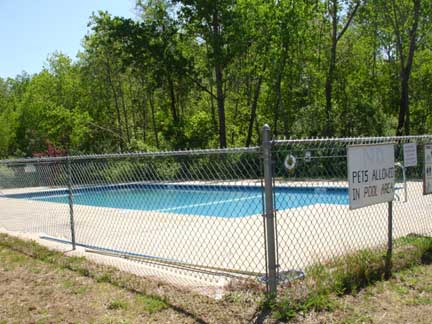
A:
(200, 73)
(335, 11)
(217, 23)
(403, 17)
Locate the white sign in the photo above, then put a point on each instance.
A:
(29, 168)
(371, 174)
(410, 154)
(427, 177)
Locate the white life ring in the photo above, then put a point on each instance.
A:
(290, 162)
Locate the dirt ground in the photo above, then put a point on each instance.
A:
(40, 290)
(35, 291)
(406, 298)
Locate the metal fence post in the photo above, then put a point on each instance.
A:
(71, 209)
(388, 260)
(269, 212)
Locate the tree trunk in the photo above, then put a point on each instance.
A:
(330, 74)
(221, 106)
(155, 131)
(329, 131)
(405, 71)
(219, 80)
(128, 137)
(173, 101)
(287, 110)
(119, 122)
(253, 111)
(144, 118)
(402, 127)
(210, 80)
(143, 109)
(278, 86)
(236, 111)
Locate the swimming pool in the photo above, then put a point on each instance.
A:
(206, 200)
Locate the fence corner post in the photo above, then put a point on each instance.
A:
(269, 212)
(71, 209)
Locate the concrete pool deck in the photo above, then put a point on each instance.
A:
(305, 235)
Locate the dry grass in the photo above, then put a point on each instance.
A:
(334, 286)
(38, 285)
(42, 286)
(406, 298)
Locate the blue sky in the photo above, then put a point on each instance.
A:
(30, 30)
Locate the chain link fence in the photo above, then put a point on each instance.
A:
(314, 222)
(212, 214)
(193, 213)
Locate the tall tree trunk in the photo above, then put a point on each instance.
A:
(221, 105)
(258, 129)
(173, 101)
(134, 124)
(126, 119)
(335, 37)
(117, 107)
(403, 107)
(134, 106)
(210, 80)
(143, 110)
(287, 110)
(330, 74)
(279, 103)
(405, 69)
(155, 131)
(144, 119)
(236, 110)
(219, 80)
(253, 110)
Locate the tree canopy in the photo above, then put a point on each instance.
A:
(201, 73)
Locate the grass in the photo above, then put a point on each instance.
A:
(45, 282)
(405, 298)
(349, 274)
(150, 304)
(117, 304)
(44, 286)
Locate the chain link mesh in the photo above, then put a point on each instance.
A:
(173, 211)
(314, 223)
(198, 215)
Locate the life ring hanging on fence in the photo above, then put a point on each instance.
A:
(290, 162)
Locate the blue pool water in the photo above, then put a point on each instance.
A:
(220, 201)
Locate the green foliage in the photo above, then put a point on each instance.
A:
(7, 176)
(118, 172)
(187, 73)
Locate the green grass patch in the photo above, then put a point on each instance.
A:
(75, 287)
(117, 304)
(325, 282)
(104, 277)
(151, 304)
(68, 284)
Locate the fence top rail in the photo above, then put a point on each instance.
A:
(253, 149)
(352, 140)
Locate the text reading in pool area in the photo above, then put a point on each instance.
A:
(371, 174)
